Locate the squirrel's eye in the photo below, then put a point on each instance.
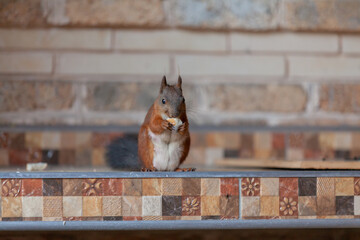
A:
(163, 101)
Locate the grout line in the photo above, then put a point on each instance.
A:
(240, 199)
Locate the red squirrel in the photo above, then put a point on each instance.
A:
(163, 141)
(162, 145)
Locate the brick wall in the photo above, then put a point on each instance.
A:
(272, 62)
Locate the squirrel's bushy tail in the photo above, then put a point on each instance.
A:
(122, 153)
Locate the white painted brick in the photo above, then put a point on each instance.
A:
(112, 64)
(25, 63)
(231, 65)
(324, 66)
(283, 42)
(351, 44)
(55, 38)
(170, 40)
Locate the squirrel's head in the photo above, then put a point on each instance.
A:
(171, 102)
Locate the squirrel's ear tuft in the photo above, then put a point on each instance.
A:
(163, 84)
(179, 83)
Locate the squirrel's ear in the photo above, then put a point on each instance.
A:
(163, 84)
(179, 83)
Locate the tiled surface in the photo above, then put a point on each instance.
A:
(89, 148)
(149, 199)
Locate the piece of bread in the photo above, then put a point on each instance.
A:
(176, 122)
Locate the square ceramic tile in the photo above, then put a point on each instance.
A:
(52, 219)
(52, 206)
(250, 206)
(247, 146)
(190, 217)
(342, 140)
(151, 186)
(51, 140)
(262, 140)
(307, 205)
(296, 140)
(151, 206)
(152, 218)
(83, 139)
(72, 206)
(11, 187)
(326, 140)
(231, 153)
(210, 186)
(295, 154)
(72, 187)
(32, 187)
(50, 156)
(191, 186)
(229, 186)
(278, 141)
(355, 140)
(131, 206)
(92, 206)
(18, 157)
(210, 205)
(288, 187)
(11, 207)
(172, 186)
(344, 186)
(171, 206)
(4, 157)
(250, 186)
(112, 186)
(132, 218)
(67, 140)
(357, 205)
(357, 186)
(344, 205)
(113, 218)
(213, 154)
(52, 187)
(67, 157)
(33, 139)
(289, 206)
(269, 206)
(17, 140)
(307, 186)
(229, 206)
(191, 205)
(112, 205)
(98, 157)
(325, 205)
(92, 187)
(132, 187)
(223, 139)
(269, 187)
(32, 206)
(325, 186)
(83, 156)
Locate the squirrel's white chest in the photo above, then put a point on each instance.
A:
(167, 152)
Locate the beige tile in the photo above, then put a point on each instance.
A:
(131, 206)
(190, 217)
(210, 187)
(269, 206)
(92, 206)
(210, 205)
(51, 219)
(33, 139)
(11, 207)
(51, 140)
(250, 206)
(112, 206)
(344, 186)
(307, 206)
(52, 207)
(357, 205)
(32, 206)
(72, 206)
(151, 205)
(25, 62)
(269, 187)
(172, 186)
(343, 141)
(263, 141)
(152, 186)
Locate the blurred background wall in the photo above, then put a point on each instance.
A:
(243, 62)
(267, 62)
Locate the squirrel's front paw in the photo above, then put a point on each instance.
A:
(166, 125)
(183, 127)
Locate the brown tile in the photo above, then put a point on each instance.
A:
(112, 186)
(83, 156)
(4, 140)
(32, 206)
(191, 206)
(11, 207)
(325, 205)
(11, 187)
(92, 206)
(33, 139)
(132, 187)
(344, 205)
(172, 186)
(67, 157)
(72, 206)
(344, 186)
(250, 186)
(190, 217)
(229, 186)
(210, 205)
(355, 141)
(100, 140)
(151, 206)
(32, 187)
(98, 157)
(325, 186)
(18, 157)
(312, 141)
(113, 218)
(51, 140)
(83, 140)
(67, 140)
(229, 206)
(269, 206)
(296, 140)
(112, 206)
(171, 205)
(247, 146)
(132, 218)
(269, 187)
(210, 186)
(151, 186)
(307, 186)
(52, 187)
(4, 157)
(223, 139)
(198, 139)
(191, 186)
(32, 219)
(50, 156)
(93, 187)
(250, 206)
(357, 186)
(326, 141)
(17, 141)
(35, 156)
(196, 156)
(131, 206)
(91, 218)
(72, 187)
(278, 141)
(288, 187)
(52, 206)
(288, 206)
